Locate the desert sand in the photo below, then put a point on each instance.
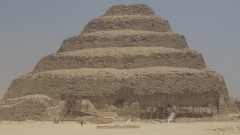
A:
(74, 128)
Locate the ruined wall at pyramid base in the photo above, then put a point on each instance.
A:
(30, 107)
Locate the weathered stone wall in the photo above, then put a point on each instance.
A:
(131, 110)
(134, 9)
(180, 99)
(160, 99)
(83, 41)
(170, 83)
(143, 24)
(178, 59)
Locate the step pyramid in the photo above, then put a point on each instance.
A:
(127, 54)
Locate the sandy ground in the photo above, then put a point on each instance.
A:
(73, 128)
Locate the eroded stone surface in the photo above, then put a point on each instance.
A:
(124, 38)
(122, 58)
(135, 9)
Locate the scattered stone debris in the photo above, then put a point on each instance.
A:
(118, 127)
(224, 129)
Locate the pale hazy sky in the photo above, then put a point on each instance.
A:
(32, 29)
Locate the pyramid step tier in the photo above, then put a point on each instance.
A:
(142, 23)
(135, 9)
(124, 38)
(120, 58)
(109, 81)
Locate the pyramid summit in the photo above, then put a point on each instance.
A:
(130, 59)
(135, 9)
(134, 17)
